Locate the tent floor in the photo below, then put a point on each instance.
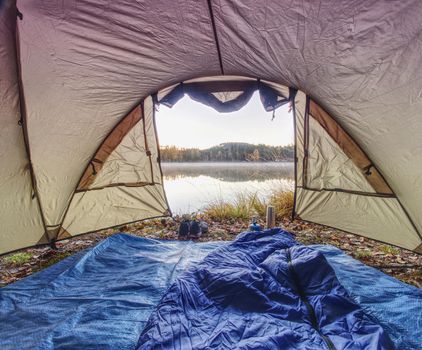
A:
(103, 297)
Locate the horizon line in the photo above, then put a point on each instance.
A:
(228, 142)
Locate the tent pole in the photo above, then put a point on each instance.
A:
(157, 142)
(292, 95)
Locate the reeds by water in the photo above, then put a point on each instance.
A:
(245, 206)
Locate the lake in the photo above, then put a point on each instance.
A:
(192, 186)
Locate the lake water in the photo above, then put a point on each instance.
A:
(191, 186)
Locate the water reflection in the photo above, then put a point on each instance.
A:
(191, 186)
(231, 172)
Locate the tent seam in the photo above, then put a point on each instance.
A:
(214, 29)
(23, 124)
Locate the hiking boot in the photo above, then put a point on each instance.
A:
(195, 229)
(184, 229)
(204, 227)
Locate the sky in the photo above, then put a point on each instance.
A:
(190, 124)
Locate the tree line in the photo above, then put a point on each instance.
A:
(229, 152)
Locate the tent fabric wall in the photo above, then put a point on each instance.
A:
(20, 217)
(112, 206)
(129, 185)
(129, 162)
(349, 147)
(332, 190)
(85, 64)
(129, 155)
(377, 218)
(94, 174)
(328, 167)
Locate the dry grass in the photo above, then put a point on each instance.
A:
(282, 202)
(241, 208)
(245, 206)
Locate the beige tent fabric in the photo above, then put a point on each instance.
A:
(128, 187)
(86, 64)
(113, 206)
(20, 218)
(129, 154)
(107, 156)
(135, 160)
(328, 167)
(333, 191)
(128, 163)
(374, 217)
(227, 96)
(350, 148)
(299, 122)
(152, 139)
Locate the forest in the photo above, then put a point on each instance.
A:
(229, 152)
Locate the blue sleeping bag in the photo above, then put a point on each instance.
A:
(262, 291)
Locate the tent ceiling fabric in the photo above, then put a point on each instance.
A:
(85, 64)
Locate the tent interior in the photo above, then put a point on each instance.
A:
(335, 181)
(80, 81)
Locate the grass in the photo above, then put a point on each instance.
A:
(388, 249)
(281, 200)
(241, 208)
(245, 206)
(362, 254)
(17, 259)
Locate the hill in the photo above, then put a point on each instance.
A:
(229, 152)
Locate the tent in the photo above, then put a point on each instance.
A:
(80, 80)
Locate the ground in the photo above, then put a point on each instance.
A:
(400, 263)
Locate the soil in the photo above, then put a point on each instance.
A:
(399, 263)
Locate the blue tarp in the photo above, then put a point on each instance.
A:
(99, 299)
(103, 297)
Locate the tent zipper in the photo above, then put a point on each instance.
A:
(304, 299)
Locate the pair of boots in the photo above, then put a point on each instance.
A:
(192, 228)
